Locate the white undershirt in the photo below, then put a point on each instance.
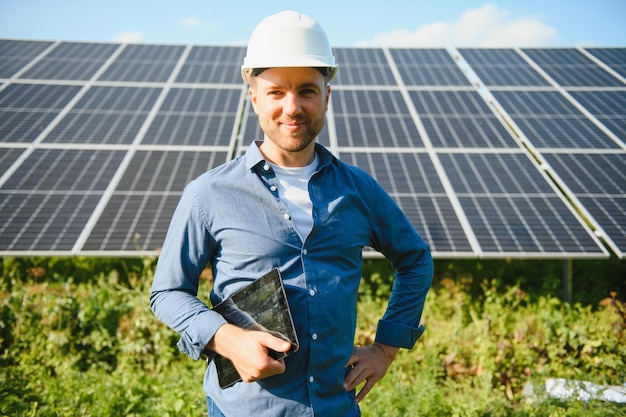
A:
(293, 188)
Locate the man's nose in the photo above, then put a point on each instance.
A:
(291, 105)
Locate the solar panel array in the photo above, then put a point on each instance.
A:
(490, 152)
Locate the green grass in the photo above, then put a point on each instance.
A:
(84, 343)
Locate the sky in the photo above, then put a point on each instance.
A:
(348, 23)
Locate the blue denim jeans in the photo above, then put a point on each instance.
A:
(214, 411)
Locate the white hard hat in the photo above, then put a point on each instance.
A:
(288, 39)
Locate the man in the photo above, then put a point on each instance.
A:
(289, 203)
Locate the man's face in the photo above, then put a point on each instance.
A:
(291, 104)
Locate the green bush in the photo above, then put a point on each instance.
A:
(89, 346)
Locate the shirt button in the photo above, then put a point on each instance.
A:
(273, 188)
(266, 167)
(305, 252)
(286, 216)
(314, 336)
(311, 379)
(311, 293)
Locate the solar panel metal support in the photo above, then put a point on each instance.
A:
(567, 280)
(237, 145)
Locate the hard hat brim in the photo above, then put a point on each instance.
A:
(248, 72)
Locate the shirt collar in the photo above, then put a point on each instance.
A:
(254, 157)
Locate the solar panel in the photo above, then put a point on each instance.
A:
(597, 182)
(98, 140)
(374, 118)
(494, 173)
(43, 223)
(143, 63)
(608, 107)
(549, 120)
(105, 115)
(47, 202)
(570, 68)
(8, 157)
(27, 109)
(460, 119)
(364, 66)
(433, 67)
(53, 170)
(138, 212)
(615, 58)
(212, 64)
(194, 116)
(511, 206)
(510, 225)
(576, 129)
(502, 67)
(71, 61)
(15, 55)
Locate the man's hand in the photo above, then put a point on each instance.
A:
(368, 364)
(249, 351)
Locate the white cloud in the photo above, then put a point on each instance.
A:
(129, 37)
(190, 22)
(487, 26)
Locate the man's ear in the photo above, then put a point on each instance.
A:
(327, 96)
(252, 94)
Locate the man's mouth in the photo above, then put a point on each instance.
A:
(292, 125)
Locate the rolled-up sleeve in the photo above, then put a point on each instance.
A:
(396, 238)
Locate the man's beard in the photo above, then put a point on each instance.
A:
(300, 140)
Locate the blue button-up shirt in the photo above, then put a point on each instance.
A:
(233, 219)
